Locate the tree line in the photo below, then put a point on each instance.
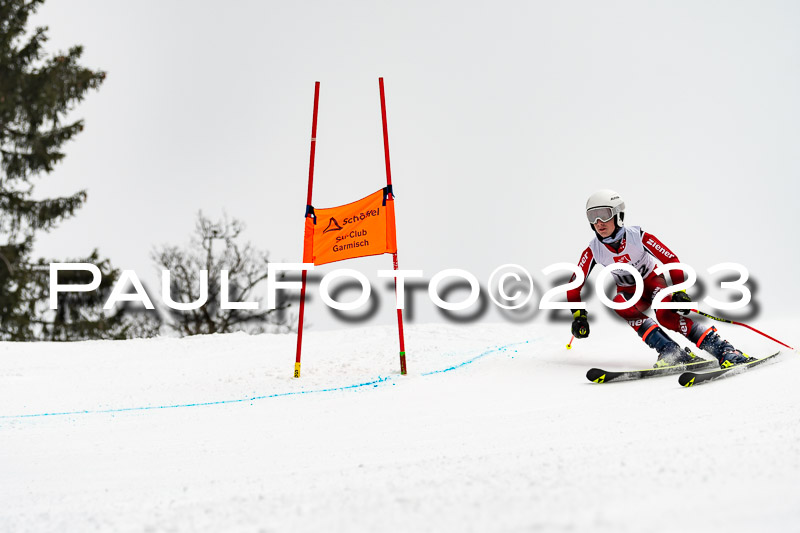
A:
(38, 91)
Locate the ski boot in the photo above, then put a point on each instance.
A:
(724, 351)
(669, 352)
(675, 356)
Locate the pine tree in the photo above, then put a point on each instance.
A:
(37, 92)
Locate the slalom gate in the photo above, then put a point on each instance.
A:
(358, 229)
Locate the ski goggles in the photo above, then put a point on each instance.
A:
(603, 214)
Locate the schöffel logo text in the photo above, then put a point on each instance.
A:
(361, 216)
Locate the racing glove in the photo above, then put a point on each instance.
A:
(580, 325)
(681, 296)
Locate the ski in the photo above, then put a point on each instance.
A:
(690, 379)
(597, 375)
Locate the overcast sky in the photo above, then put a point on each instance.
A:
(503, 118)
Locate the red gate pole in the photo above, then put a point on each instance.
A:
(391, 199)
(308, 207)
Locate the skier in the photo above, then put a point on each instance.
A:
(617, 243)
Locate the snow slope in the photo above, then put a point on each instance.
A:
(494, 429)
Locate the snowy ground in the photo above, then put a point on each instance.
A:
(494, 429)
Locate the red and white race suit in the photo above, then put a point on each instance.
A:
(640, 250)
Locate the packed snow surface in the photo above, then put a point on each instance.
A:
(495, 428)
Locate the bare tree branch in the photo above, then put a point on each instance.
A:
(215, 246)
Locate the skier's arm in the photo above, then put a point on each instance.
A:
(580, 324)
(586, 264)
(659, 250)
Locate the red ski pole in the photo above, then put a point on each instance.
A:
(712, 317)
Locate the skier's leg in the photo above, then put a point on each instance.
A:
(669, 318)
(704, 338)
(669, 353)
(707, 339)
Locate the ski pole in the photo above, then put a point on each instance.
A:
(712, 317)
(569, 344)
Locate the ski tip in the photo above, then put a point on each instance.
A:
(595, 375)
(686, 379)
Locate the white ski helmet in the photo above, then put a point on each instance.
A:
(604, 205)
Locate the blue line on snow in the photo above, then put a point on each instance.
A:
(375, 383)
(468, 361)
